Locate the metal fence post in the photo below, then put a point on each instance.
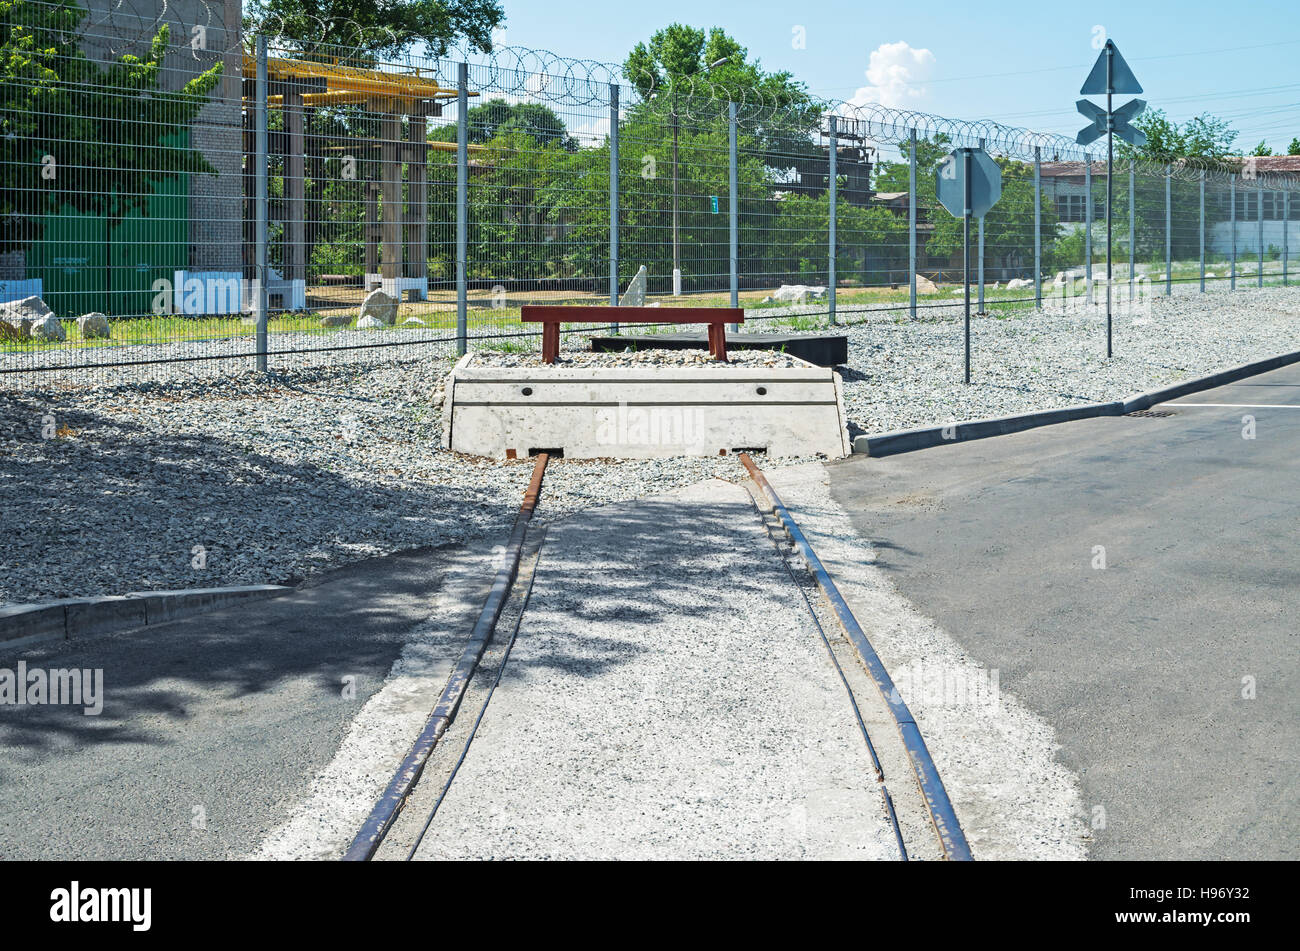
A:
(462, 208)
(262, 210)
(1087, 228)
(733, 210)
(613, 200)
(911, 225)
(979, 267)
(1202, 229)
(1259, 200)
(1232, 209)
(1132, 231)
(1169, 230)
(1286, 233)
(832, 195)
(1038, 226)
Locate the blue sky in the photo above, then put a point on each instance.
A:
(1020, 63)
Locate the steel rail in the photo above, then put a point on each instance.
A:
(942, 815)
(389, 806)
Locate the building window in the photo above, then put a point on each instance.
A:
(1071, 208)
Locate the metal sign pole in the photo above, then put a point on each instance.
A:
(966, 253)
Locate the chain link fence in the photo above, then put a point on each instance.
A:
(182, 195)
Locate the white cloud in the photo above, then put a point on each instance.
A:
(896, 75)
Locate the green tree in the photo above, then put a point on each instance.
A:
(689, 74)
(498, 117)
(1261, 149)
(1294, 147)
(65, 121)
(371, 28)
(1202, 142)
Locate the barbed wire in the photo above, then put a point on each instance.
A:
(541, 75)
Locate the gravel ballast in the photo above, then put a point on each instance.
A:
(198, 481)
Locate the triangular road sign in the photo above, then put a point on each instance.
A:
(1122, 79)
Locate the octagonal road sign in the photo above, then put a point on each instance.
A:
(985, 182)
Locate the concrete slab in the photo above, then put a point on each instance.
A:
(644, 412)
(819, 349)
(668, 697)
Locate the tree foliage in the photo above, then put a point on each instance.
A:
(81, 134)
(1205, 141)
(370, 28)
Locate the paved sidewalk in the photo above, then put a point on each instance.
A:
(668, 697)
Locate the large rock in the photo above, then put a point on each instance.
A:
(378, 306)
(335, 320)
(48, 329)
(798, 293)
(370, 322)
(1018, 283)
(92, 326)
(634, 296)
(32, 308)
(926, 286)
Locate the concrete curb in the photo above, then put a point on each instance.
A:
(910, 440)
(25, 624)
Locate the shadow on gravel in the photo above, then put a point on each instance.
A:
(72, 503)
(610, 578)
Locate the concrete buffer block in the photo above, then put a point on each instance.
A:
(644, 412)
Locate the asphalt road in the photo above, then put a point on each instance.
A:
(1141, 666)
(223, 718)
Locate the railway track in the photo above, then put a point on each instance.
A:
(915, 803)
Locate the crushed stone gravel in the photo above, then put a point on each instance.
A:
(196, 480)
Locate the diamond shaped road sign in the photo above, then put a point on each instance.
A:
(1121, 78)
(985, 182)
(1124, 115)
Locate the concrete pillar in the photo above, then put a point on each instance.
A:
(390, 195)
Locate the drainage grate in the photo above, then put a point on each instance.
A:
(1152, 413)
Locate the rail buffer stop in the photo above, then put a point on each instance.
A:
(551, 316)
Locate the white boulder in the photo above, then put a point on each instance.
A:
(378, 306)
(369, 322)
(93, 326)
(48, 329)
(798, 293)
